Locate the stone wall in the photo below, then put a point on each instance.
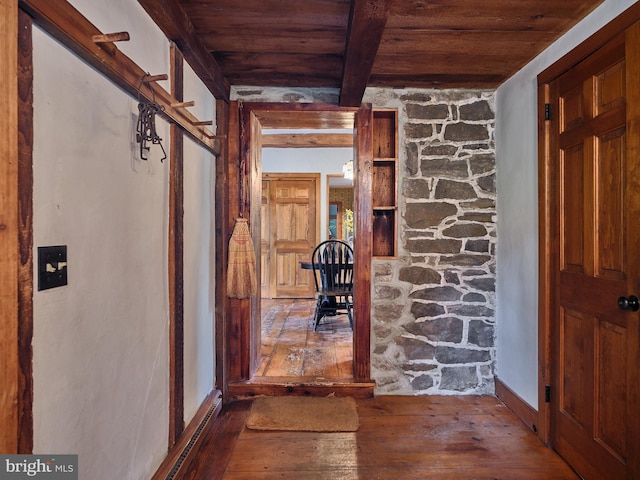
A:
(433, 307)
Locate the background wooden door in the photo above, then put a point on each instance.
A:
(595, 369)
(264, 241)
(335, 220)
(291, 231)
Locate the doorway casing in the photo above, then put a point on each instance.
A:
(246, 121)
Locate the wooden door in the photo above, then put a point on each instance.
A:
(335, 220)
(292, 234)
(264, 241)
(595, 362)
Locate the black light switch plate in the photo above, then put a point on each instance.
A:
(52, 267)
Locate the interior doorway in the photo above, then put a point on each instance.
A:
(305, 200)
(252, 120)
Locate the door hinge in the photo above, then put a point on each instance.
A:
(547, 111)
(547, 393)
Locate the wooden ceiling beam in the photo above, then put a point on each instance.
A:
(366, 26)
(308, 140)
(175, 24)
(349, 44)
(438, 80)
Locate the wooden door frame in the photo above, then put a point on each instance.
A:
(315, 178)
(16, 230)
(244, 140)
(548, 241)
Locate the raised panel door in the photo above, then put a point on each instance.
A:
(594, 342)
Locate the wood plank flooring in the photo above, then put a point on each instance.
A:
(431, 437)
(291, 348)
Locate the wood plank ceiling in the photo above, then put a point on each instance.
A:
(352, 44)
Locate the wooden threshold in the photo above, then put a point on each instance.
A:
(302, 386)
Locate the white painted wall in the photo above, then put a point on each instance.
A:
(308, 160)
(194, 89)
(517, 170)
(199, 254)
(100, 345)
(199, 276)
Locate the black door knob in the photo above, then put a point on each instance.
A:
(631, 303)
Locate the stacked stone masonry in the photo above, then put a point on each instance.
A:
(433, 307)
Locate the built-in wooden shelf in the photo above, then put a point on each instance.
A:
(385, 182)
(385, 127)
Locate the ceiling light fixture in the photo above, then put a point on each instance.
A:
(347, 170)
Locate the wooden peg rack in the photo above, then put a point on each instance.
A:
(62, 21)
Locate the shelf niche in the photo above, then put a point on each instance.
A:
(385, 182)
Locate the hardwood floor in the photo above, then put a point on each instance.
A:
(431, 437)
(428, 437)
(291, 348)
